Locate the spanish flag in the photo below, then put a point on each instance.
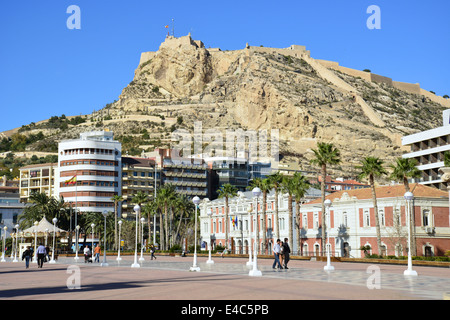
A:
(72, 180)
(166, 27)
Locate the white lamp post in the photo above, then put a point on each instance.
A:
(255, 272)
(136, 209)
(35, 242)
(327, 204)
(4, 243)
(118, 250)
(46, 237)
(196, 201)
(104, 263)
(54, 236)
(17, 244)
(409, 197)
(142, 239)
(249, 262)
(209, 261)
(77, 228)
(92, 238)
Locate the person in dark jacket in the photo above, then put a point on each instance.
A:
(286, 252)
(26, 255)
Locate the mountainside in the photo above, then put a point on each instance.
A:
(259, 88)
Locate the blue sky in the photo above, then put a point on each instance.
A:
(47, 69)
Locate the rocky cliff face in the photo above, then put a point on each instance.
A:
(267, 88)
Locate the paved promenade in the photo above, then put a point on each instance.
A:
(169, 278)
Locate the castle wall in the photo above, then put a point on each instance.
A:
(381, 79)
(408, 87)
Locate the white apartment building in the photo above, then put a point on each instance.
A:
(94, 163)
(428, 148)
(37, 178)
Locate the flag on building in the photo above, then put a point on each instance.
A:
(167, 26)
(72, 180)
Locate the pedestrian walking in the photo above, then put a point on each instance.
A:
(47, 254)
(26, 255)
(286, 252)
(41, 252)
(281, 255)
(152, 252)
(97, 252)
(276, 253)
(87, 254)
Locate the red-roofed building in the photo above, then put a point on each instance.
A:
(352, 222)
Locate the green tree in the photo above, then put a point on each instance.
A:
(325, 154)
(275, 180)
(117, 199)
(403, 169)
(264, 185)
(372, 168)
(166, 196)
(300, 187)
(140, 198)
(227, 191)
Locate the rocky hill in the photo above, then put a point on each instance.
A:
(259, 88)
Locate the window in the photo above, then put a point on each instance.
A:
(426, 218)
(382, 218)
(344, 219)
(366, 219)
(305, 221)
(316, 221)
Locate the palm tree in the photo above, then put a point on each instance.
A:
(166, 195)
(183, 205)
(148, 210)
(403, 169)
(116, 200)
(275, 180)
(42, 206)
(302, 186)
(372, 168)
(140, 198)
(265, 187)
(325, 154)
(288, 186)
(227, 191)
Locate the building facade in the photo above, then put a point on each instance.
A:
(10, 209)
(90, 171)
(242, 227)
(138, 174)
(352, 222)
(428, 148)
(37, 178)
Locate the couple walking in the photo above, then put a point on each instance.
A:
(281, 250)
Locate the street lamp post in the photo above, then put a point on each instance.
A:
(17, 244)
(327, 204)
(209, 261)
(35, 242)
(255, 272)
(92, 237)
(118, 250)
(54, 237)
(4, 244)
(249, 262)
(77, 228)
(409, 197)
(196, 201)
(142, 239)
(136, 209)
(104, 263)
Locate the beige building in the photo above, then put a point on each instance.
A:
(138, 174)
(38, 178)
